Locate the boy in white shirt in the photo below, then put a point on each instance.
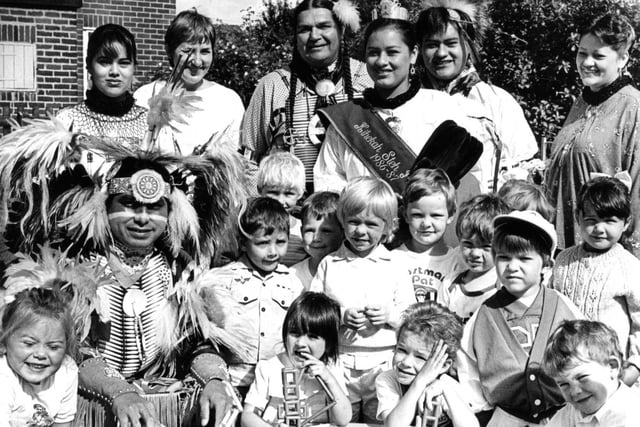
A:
(361, 276)
(429, 207)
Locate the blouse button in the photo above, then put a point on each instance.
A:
(537, 402)
(532, 377)
(246, 298)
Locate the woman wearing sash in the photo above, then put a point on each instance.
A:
(392, 123)
(449, 33)
(282, 111)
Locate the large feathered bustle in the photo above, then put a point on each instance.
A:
(218, 191)
(29, 157)
(207, 309)
(52, 268)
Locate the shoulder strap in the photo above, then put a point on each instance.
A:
(371, 139)
(549, 307)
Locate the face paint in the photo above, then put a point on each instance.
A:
(137, 225)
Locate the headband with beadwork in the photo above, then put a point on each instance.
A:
(146, 186)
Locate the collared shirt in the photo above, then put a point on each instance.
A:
(263, 302)
(620, 410)
(354, 281)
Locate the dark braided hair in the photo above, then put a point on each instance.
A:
(343, 60)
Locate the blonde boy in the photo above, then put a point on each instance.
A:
(429, 207)
(360, 275)
(281, 177)
(585, 360)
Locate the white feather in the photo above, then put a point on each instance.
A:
(183, 222)
(347, 13)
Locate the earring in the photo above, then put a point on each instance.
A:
(412, 70)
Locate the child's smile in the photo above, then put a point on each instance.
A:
(588, 385)
(363, 232)
(35, 352)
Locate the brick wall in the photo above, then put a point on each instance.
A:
(58, 38)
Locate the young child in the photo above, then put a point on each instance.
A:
(361, 276)
(428, 340)
(521, 195)
(466, 291)
(38, 375)
(584, 358)
(599, 275)
(429, 206)
(310, 336)
(503, 343)
(321, 233)
(262, 286)
(281, 177)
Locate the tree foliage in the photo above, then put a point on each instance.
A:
(529, 49)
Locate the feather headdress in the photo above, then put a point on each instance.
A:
(348, 15)
(38, 175)
(476, 9)
(53, 269)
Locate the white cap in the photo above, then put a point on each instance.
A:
(531, 219)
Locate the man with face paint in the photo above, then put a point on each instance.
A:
(142, 202)
(150, 218)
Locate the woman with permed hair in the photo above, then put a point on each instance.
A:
(600, 134)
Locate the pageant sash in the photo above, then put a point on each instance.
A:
(371, 139)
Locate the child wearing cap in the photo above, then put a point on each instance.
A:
(503, 343)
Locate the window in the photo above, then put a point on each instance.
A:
(17, 66)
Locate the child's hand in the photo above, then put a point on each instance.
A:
(355, 318)
(378, 315)
(315, 367)
(435, 366)
(432, 391)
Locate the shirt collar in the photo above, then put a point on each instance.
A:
(601, 414)
(246, 265)
(380, 253)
